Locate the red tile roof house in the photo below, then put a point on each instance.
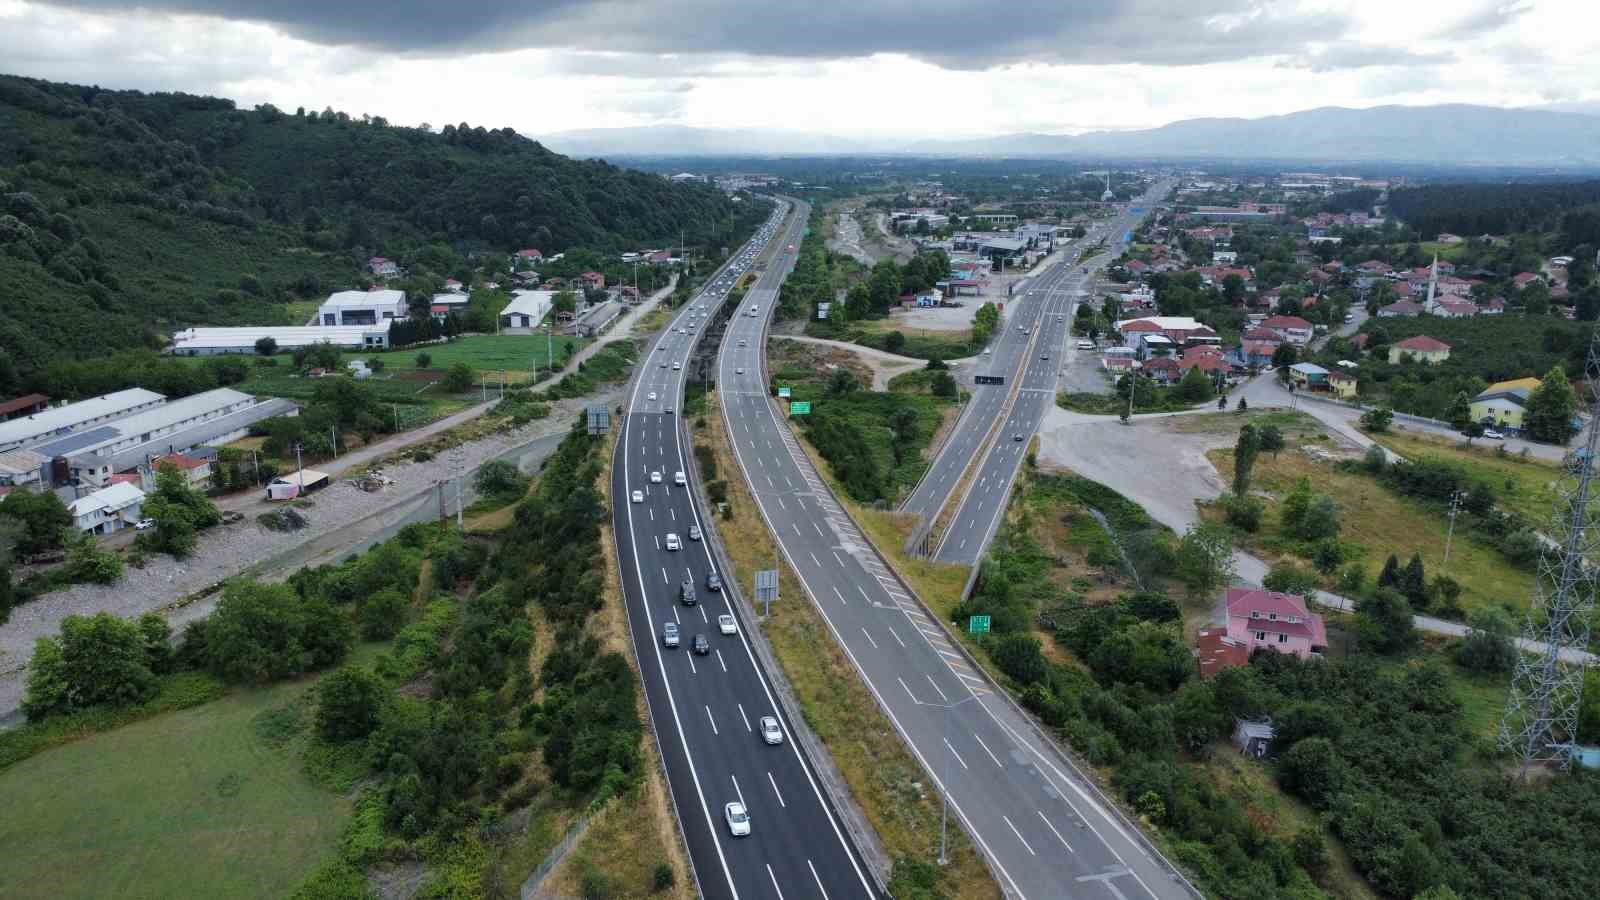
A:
(594, 280)
(1215, 651)
(1293, 328)
(1163, 369)
(1376, 266)
(1275, 621)
(530, 256)
(1523, 279)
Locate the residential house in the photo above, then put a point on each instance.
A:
(1448, 238)
(1183, 331)
(1163, 369)
(1400, 309)
(1308, 376)
(1495, 307)
(1375, 267)
(1342, 385)
(1209, 360)
(19, 467)
(1214, 651)
(1421, 348)
(108, 509)
(382, 267)
(1523, 279)
(1294, 329)
(1502, 404)
(195, 470)
(1448, 308)
(1224, 257)
(528, 257)
(452, 285)
(1275, 621)
(593, 281)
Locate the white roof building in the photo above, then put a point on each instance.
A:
(527, 308)
(362, 307)
(108, 509)
(150, 425)
(73, 416)
(214, 341)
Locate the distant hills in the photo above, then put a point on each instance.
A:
(1445, 134)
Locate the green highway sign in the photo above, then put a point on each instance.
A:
(783, 393)
(978, 625)
(800, 408)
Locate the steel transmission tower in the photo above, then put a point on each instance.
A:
(1541, 718)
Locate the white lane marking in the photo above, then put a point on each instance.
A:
(692, 669)
(896, 637)
(817, 879)
(774, 881)
(657, 537)
(703, 616)
(863, 593)
(936, 687)
(869, 639)
(772, 781)
(1019, 836)
(814, 560)
(664, 579)
(675, 615)
(987, 750)
(713, 721)
(818, 528)
(1054, 831)
(796, 528)
(744, 717)
(725, 668)
(740, 793)
(954, 753)
(907, 687)
(840, 596)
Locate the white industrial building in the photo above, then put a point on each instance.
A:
(216, 341)
(362, 307)
(107, 510)
(75, 416)
(527, 309)
(86, 456)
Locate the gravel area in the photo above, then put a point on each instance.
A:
(227, 551)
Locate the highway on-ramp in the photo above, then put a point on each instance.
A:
(1044, 830)
(707, 709)
(978, 515)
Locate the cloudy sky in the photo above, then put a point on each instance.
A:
(867, 68)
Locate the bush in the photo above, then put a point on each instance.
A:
(662, 878)
(97, 660)
(382, 614)
(1522, 547)
(1487, 646)
(1243, 513)
(1021, 657)
(1289, 578)
(348, 703)
(1377, 419)
(1312, 771)
(263, 632)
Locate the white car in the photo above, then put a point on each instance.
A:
(771, 732)
(726, 625)
(672, 542)
(655, 477)
(677, 366)
(1489, 433)
(739, 371)
(738, 819)
(145, 524)
(651, 396)
(638, 496)
(678, 479)
(1086, 345)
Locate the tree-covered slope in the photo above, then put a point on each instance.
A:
(124, 216)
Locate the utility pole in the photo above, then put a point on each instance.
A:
(396, 417)
(333, 435)
(301, 467)
(1455, 507)
(458, 471)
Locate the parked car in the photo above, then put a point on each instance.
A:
(1489, 433)
(145, 524)
(669, 634)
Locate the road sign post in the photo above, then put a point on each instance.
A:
(766, 589)
(784, 393)
(978, 625)
(800, 408)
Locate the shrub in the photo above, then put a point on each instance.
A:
(348, 703)
(1243, 513)
(1020, 656)
(662, 877)
(263, 632)
(1289, 578)
(97, 660)
(382, 614)
(1522, 547)
(1377, 419)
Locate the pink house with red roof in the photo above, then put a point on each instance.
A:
(1259, 618)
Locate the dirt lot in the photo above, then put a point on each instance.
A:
(874, 366)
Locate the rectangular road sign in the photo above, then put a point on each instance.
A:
(784, 393)
(800, 408)
(766, 588)
(978, 625)
(988, 379)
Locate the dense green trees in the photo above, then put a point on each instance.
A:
(180, 512)
(264, 632)
(97, 660)
(348, 703)
(33, 522)
(1551, 409)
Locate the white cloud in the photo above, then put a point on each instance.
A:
(1368, 53)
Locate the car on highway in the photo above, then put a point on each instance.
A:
(726, 625)
(1044, 356)
(638, 496)
(652, 395)
(739, 370)
(771, 732)
(701, 645)
(669, 634)
(714, 582)
(655, 477)
(743, 342)
(694, 532)
(686, 592)
(1017, 436)
(672, 542)
(677, 366)
(678, 479)
(663, 364)
(738, 819)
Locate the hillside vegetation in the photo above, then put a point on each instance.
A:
(125, 215)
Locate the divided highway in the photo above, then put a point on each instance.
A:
(978, 516)
(707, 707)
(1043, 829)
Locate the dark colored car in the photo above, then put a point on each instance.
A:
(686, 593)
(713, 582)
(701, 645)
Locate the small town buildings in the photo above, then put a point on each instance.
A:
(1215, 651)
(89, 456)
(218, 341)
(442, 306)
(383, 268)
(22, 467)
(108, 509)
(1400, 309)
(528, 257)
(1183, 331)
(26, 405)
(61, 420)
(1163, 369)
(593, 281)
(362, 307)
(196, 470)
(1342, 385)
(1294, 329)
(1308, 376)
(1421, 348)
(1502, 404)
(1273, 620)
(527, 309)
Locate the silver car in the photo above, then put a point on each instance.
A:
(771, 731)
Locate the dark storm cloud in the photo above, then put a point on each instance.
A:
(959, 34)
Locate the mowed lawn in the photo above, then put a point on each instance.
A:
(187, 804)
(516, 353)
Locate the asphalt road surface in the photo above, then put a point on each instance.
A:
(1044, 830)
(979, 514)
(706, 709)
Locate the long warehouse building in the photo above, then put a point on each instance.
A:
(60, 420)
(86, 455)
(218, 341)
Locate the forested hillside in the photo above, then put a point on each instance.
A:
(124, 215)
(1570, 208)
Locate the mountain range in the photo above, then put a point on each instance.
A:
(1444, 134)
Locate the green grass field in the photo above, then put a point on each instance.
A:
(195, 803)
(515, 353)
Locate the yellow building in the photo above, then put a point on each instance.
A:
(1421, 348)
(1503, 403)
(1342, 385)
